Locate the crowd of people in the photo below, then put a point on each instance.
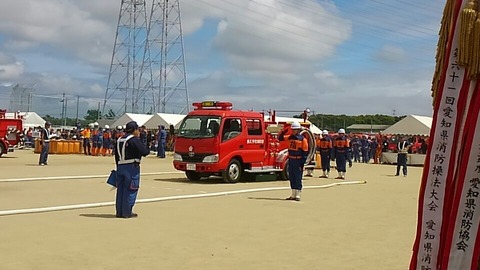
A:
(100, 141)
(364, 148)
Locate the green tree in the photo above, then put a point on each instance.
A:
(92, 115)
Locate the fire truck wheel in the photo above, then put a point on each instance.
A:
(1, 150)
(233, 172)
(193, 176)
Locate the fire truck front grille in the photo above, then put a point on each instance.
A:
(195, 158)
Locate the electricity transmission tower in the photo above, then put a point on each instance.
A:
(21, 97)
(148, 62)
(167, 57)
(130, 73)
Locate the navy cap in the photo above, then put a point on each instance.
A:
(132, 125)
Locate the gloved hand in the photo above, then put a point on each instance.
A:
(350, 164)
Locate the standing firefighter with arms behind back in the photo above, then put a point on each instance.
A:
(45, 143)
(341, 150)
(297, 155)
(128, 153)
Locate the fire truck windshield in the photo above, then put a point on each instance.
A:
(199, 126)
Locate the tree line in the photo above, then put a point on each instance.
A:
(91, 117)
(333, 122)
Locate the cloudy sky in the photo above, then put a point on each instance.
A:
(333, 56)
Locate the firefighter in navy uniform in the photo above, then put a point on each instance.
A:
(325, 149)
(341, 150)
(297, 155)
(402, 147)
(128, 154)
(45, 143)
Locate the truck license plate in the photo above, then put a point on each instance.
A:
(191, 167)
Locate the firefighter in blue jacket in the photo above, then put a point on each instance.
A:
(297, 155)
(341, 149)
(128, 154)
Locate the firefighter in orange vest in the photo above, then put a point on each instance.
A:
(341, 150)
(107, 141)
(97, 140)
(325, 148)
(86, 134)
(297, 155)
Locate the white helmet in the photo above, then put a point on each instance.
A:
(119, 127)
(107, 126)
(325, 132)
(341, 131)
(95, 124)
(296, 125)
(90, 125)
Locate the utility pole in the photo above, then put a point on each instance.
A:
(78, 102)
(66, 103)
(63, 107)
(29, 101)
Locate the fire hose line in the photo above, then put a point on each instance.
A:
(74, 177)
(169, 198)
(311, 145)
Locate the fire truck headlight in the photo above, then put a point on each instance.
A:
(211, 159)
(177, 157)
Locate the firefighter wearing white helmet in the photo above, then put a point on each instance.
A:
(325, 149)
(97, 140)
(107, 141)
(341, 152)
(297, 155)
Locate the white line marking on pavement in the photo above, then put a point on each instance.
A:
(159, 199)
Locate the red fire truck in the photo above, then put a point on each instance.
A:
(214, 139)
(10, 131)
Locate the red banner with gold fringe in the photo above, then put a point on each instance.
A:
(447, 225)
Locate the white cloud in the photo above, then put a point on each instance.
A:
(10, 68)
(273, 36)
(392, 53)
(272, 53)
(60, 25)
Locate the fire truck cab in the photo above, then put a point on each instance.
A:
(10, 131)
(214, 139)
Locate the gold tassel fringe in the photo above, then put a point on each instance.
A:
(442, 45)
(474, 68)
(465, 41)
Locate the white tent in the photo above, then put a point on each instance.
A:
(279, 119)
(30, 119)
(411, 125)
(165, 119)
(141, 119)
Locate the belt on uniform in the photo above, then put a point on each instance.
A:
(46, 140)
(129, 161)
(295, 157)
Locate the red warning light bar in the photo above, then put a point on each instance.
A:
(212, 105)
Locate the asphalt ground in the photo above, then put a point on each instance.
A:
(201, 225)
